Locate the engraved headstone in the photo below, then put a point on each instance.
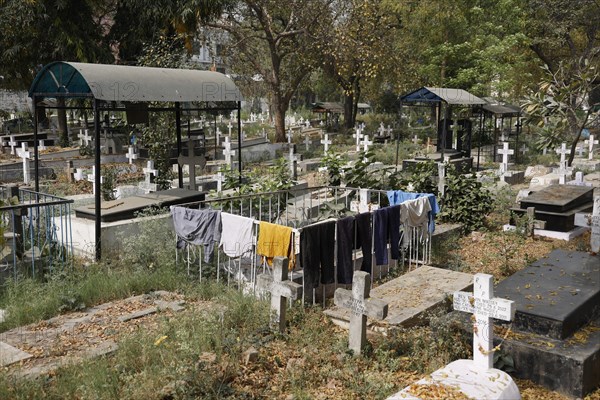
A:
(361, 305)
(281, 289)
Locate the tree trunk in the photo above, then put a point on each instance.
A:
(356, 99)
(63, 132)
(279, 109)
(348, 110)
(576, 131)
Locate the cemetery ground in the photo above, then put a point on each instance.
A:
(221, 346)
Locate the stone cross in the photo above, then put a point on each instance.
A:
(307, 123)
(415, 139)
(455, 128)
(218, 136)
(227, 152)
(84, 138)
(307, 142)
(503, 138)
(579, 150)
(381, 129)
(12, 143)
(389, 130)
(524, 149)
(289, 135)
(361, 306)
(41, 145)
(262, 118)
(150, 174)
(485, 306)
(78, 175)
(69, 171)
(220, 118)
(441, 178)
(131, 154)
(229, 126)
(292, 159)
(242, 134)
(591, 142)
(192, 160)
(592, 221)
(366, 143)
(563, 151)
(505, 151)
(92, 178)
(358, 135)
(326, 142)
(281, 289)
(264, 132)
(219, 177)
(25, 154)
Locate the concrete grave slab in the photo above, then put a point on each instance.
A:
(410, 296)
(10, 355)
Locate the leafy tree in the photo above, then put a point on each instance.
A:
(272, 41)
(356, 48)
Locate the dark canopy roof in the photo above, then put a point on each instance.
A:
(325, 106)
(438, 95)
(502, 110)
(127, 83)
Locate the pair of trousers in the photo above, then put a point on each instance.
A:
(352, 233)
(386, 224)
(317, 243)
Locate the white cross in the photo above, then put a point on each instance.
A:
(524, 149)
(131, 154)
(264, 132)
(358, 136)
(389, 130)
(218, 136)
(366, 143)
(563, 151)
(503, 138)
(485, 306)
(92, 178)
(149, 173)
(220, 118)
(281, 289)
(262, 119)
(455, 127)
(78, 175)
(12, 143)
(243, 134)
(307, 142)
(307, 124)
(41, 145)
(25, 154)
(84, 138)
(192, 160)
(579, 150)
(415, 139)
(219, 177)
(442, 178)
(591, 221)
(289, 136)
(361, 306)
(326, 142)
(229, 126)
(227, 152)
(381, 129)
(591, 142)
(505, 151)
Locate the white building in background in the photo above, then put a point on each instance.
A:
(208, 50)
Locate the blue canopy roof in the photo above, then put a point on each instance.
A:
(438, 95)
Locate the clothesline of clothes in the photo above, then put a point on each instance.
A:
(315, 245)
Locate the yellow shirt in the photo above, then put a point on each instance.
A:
(275, 240)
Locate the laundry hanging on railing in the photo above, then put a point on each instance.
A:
(200, 227)
(317, 245)
(237, 238)
(386, 225)
(275, 240)
(352, 233)
(397, 197)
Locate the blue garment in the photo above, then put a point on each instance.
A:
(397, 197)
(386, 225)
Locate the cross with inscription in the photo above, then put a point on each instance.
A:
(505, 151)
(563, 151)
(326, 142)
(192, 160)
(484, 306)
(227, 152)
(591, 142)
(360, 305)
(358, 135)
(25, 155)
(281, 289)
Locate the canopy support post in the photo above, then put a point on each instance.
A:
(178, 130)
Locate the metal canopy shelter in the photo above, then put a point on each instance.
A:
(439, 97)
(107, 85)
(499, 112)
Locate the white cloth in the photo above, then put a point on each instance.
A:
(414, 217)
(236, 237)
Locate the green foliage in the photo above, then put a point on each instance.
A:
(109, 183)
(420, 178)
(465, 201)
(334, 163)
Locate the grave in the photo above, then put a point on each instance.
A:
(280, 289)
(411, 297)
(463, 164)
(557, 322)
(360, 305)
(476, 379)
(557, 206)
